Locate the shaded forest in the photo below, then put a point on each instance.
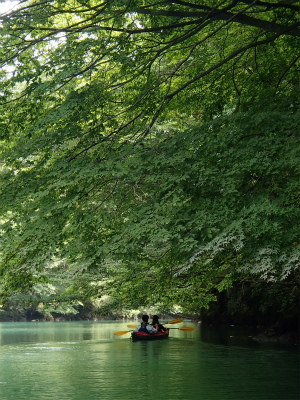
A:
(150, 158)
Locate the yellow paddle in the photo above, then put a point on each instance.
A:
(120, 333)
(186, 329)
(174, 321)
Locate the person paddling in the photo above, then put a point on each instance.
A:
(155, 323)
(144, 326)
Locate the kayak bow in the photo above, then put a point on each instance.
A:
(149, 336)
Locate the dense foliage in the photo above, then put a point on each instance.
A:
(149, 150)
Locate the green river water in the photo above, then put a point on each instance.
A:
(84, 360)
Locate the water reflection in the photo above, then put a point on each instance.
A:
(228, 335)
(81, 361)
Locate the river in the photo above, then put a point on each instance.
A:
(84, 360)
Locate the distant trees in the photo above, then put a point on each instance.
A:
(148, 149)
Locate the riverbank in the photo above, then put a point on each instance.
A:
(272, 309)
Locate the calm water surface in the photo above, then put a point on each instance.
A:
(83, 360)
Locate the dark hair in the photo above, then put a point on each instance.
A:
(145, 318)
(155, 319)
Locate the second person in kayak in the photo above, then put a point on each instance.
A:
(155, 323)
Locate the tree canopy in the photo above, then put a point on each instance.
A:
(149, 149)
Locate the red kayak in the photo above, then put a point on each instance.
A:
(149, 336)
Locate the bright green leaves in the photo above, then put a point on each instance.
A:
(154, 144)
(209, 203)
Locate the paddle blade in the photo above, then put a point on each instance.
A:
(120, 333)
(187, 329)
(175, 321)
(131, 326)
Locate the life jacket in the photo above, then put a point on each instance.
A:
(161, 328)
(143, 328)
